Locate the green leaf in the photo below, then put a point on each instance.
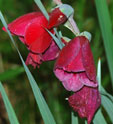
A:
(43, 107)
(103, 92)
(108, 106)
(11, 73)
(74, 118)
(85, 122)
(106, 29)
(99, 118)
(56, 39)
(42, 8)
(106, 102)
(10, 111)
(99, 74)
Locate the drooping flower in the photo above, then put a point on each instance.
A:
(75, 66)
(85, 101)
(30, 29)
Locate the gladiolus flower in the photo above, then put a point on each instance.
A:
(75, 66)
(30, 29)
(85, 101)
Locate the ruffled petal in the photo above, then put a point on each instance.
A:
(34, 60)
(86, 81)
(86, 101)
(70, 81)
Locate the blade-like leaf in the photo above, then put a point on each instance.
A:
(108, 106)
(11, 73)
(106, 102)
(42, 8)
(103, 92)
(99, 74)
(10, 111)
(43, 107)
(99, 118)
(85, 122)
(106, 29)
(74, 118)
(56, 40)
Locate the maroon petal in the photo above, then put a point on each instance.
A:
(36, 37)
(86, 81)
(56, 18)
(18, 26)
(68, 53)
(87, 58)
(85, 102)
(70, 81)
(76, 65)
(34, 60)
(51, 53)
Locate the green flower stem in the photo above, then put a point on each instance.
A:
(73, 25)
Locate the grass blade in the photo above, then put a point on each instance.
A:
(106, 102)
(108, 106)
(99, 118)
(106, 29)
(99, 74)
(103, 92)
(74, 118)
(10, 111)
(56, 40)
(42, 8)
(43, 107)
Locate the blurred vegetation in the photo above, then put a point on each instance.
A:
(12, 73)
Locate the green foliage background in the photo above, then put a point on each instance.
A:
(12, 73)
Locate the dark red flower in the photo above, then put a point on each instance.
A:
(30, 29)
(85, 101)
(75, 66)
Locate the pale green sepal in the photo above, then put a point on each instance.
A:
(86, 34)
(66, 9)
